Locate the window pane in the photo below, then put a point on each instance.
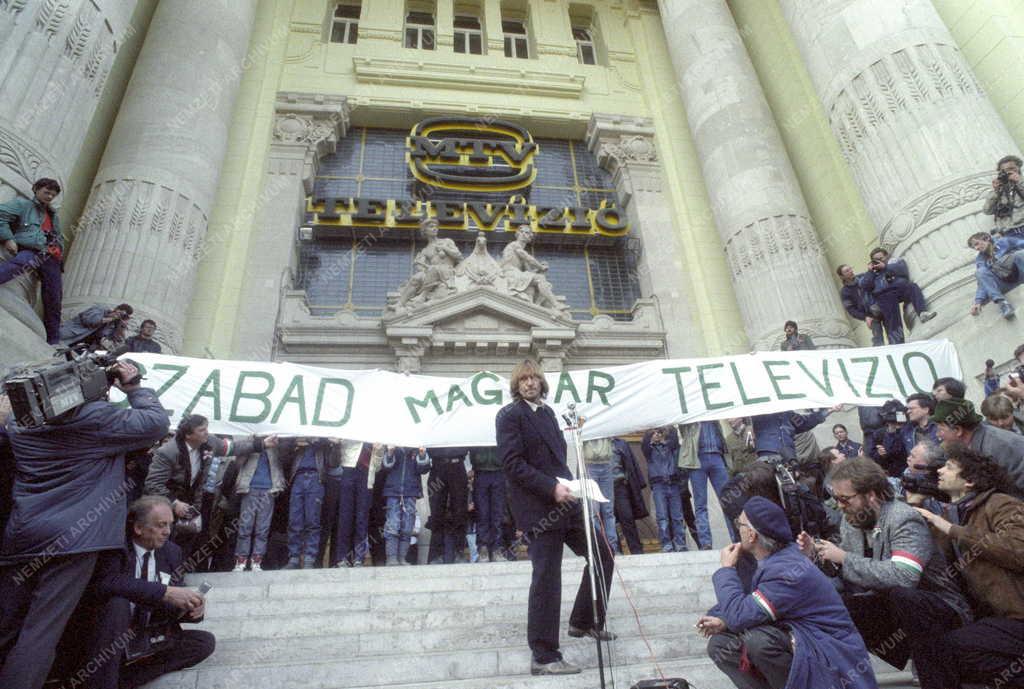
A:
(421, 18)
(580, 34)
(350, 11)
(587, 54)
(476, 44)
(464, 22)
(460, 42)
(521, 48)
(410, 38)
(515, 27)
(353, 32)
(338, 33)
(427, 39)
(508, 47)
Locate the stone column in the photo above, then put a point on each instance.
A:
(778, 265)
(920, 135)
(625, 147)
(147, 215)
(54, 61)
(306, 128)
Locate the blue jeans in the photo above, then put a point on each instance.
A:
(353, 515)
(712, 467)
(604, 512)
(307, 496)
(668, 506)
(489, 498)
(892, 317)
(254, 523)
(994, 287)
(399, 523)
(51, 281)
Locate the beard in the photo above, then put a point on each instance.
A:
(865, 519)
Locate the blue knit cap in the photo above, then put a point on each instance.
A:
(768, 519)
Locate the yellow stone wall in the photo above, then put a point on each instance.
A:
(392, 86)
(991, 35)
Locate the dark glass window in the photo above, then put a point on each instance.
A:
(516, 44)
(419, 30)
(468, 35)
(585, 52)
(358, 272)
(345, 25)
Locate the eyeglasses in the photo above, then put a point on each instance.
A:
(844, 500)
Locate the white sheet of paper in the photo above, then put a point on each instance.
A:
(577, 491)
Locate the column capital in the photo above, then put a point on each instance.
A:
(617, 140)
(313, 120)
(309, 125)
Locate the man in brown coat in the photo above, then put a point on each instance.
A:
(983, 541)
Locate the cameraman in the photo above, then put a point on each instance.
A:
(998, 268)
(984, 539)
(97, 324)
(886, 445)
(1006, 202)
(887, 285)
(69, 506)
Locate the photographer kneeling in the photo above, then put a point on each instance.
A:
(984, 541)
(69, 507)
(792, 630)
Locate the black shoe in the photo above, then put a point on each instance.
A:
(558, 667)
(599, 634)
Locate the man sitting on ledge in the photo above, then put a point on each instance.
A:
(792, 630)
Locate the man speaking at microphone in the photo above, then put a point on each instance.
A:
(532, 450)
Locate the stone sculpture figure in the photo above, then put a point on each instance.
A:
(524, 274)
(479, 267)
(433, 267)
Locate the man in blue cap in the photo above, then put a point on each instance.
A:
(792, 630)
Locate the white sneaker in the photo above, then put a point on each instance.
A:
(256, 567)
(239, 567)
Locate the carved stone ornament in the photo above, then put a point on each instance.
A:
(301, 129)
(440, 271)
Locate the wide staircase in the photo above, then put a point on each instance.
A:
(448, 627)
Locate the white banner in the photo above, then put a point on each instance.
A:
(241, 397)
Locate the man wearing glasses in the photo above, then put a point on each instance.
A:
(792, 629)
(895, 582)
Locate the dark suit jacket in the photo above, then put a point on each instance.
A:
(532, 451)
(168, 562)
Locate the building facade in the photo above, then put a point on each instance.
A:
(693, 171)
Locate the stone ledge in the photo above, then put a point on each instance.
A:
(467, 77)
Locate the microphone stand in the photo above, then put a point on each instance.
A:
(574, 423)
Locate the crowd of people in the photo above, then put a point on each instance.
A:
(906, 544)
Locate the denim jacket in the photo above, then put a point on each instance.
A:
(661, 457)
(22, 220)
(405, 466)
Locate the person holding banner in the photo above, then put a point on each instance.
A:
(775, 434)
(403, 487)
(532, 449)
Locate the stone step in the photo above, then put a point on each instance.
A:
(701, 673)
(497, 605)
(689, 592)
(662, 635)
(285, 589)
(438, 577)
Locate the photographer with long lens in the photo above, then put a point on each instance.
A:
(98, 327)
(1006, 202)
(69, 506)
(887, 286)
